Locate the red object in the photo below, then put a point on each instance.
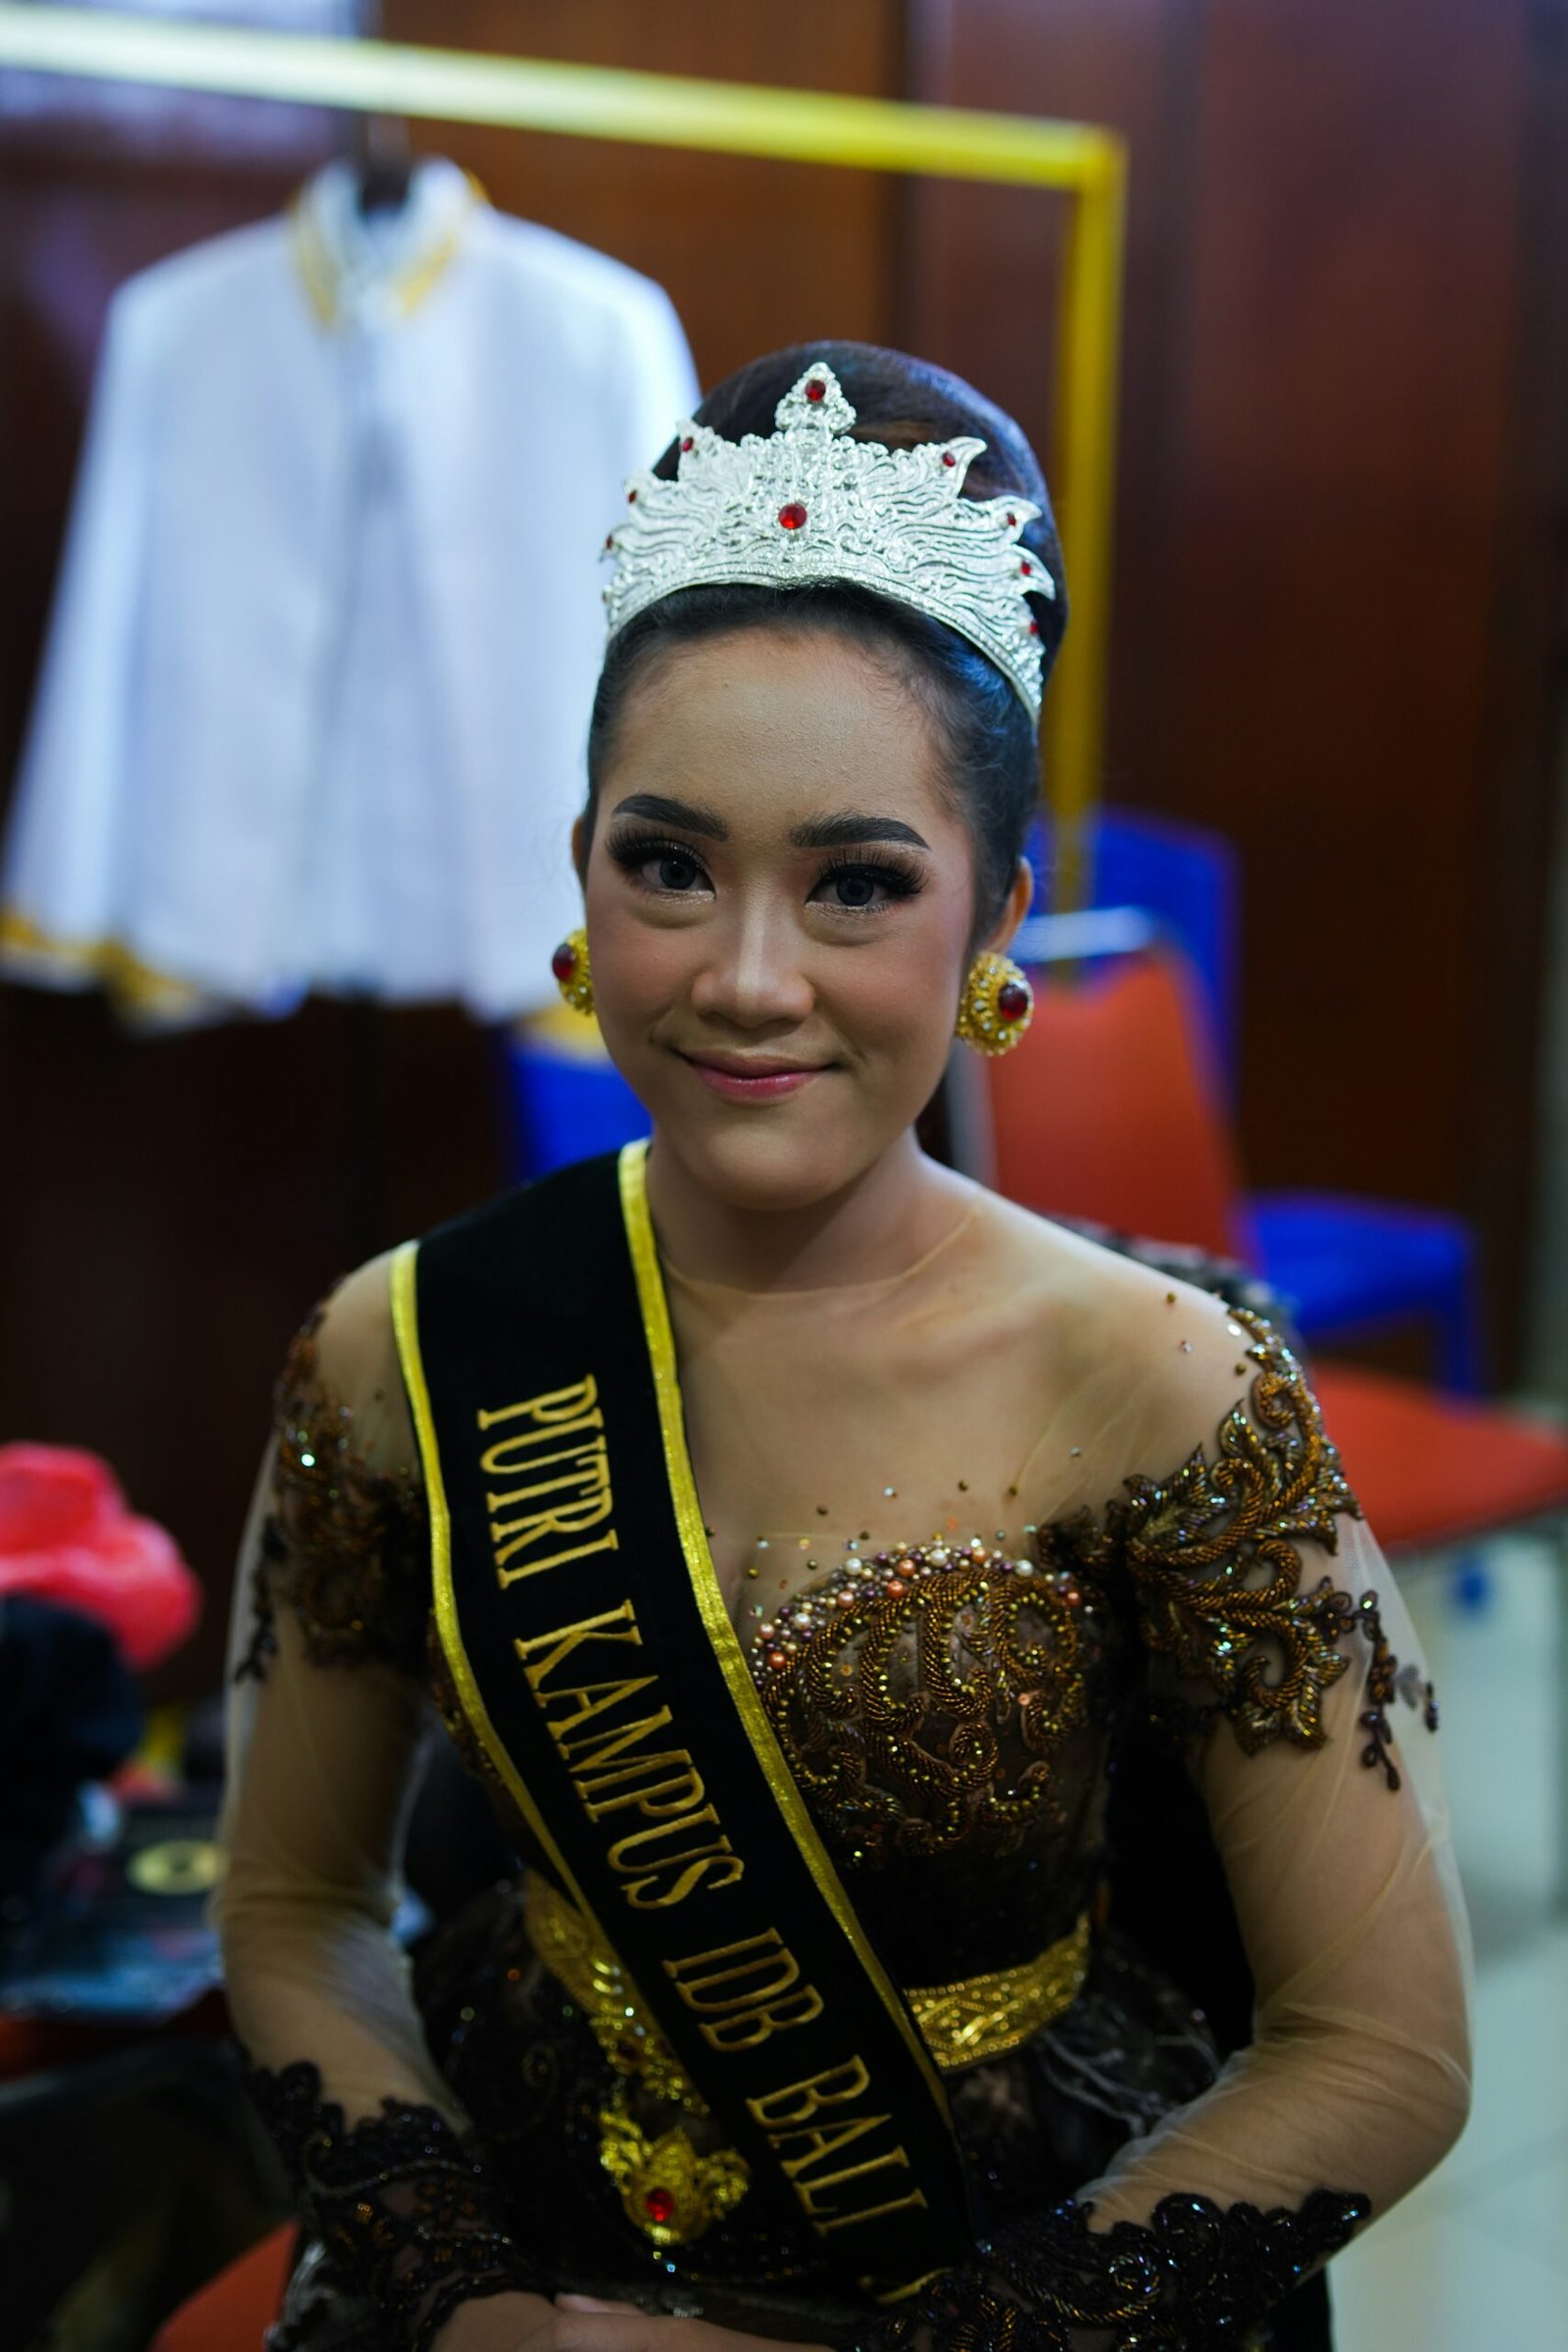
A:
(948, 458)
(1433, 1469)
(659, 2205)
(686, 442)
(29, 2045)
(1110, 1108)
(815, 389)
(232, 2312)
(1013, 1000)
(793, 516)
(563, 962)
(67, 1535)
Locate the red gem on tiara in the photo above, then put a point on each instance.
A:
(631, 498)
(948, 458)
(687, 443)
(1026, 569)
(1034, 628)
(815, 388)
(1011, 520)
(1013, 1000)
(792, 517)
(563, 962)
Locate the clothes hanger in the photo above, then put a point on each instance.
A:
(383, 155)
(383, 164)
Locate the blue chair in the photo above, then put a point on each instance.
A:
(1348, 1266)
(1355, 1267)
(564, 1097)
(1186, 879)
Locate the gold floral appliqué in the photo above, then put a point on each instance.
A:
(1212, 1557)
(345, 1543)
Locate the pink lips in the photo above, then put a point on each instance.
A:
(741, 1079)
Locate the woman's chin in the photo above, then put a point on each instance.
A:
(765, 1164)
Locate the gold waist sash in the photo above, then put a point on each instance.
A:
(671, 2188)
(961, 2025)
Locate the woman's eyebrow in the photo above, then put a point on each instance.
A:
(851, 825)
(662, 812)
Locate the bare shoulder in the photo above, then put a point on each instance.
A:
(344, 1361)
(353, 1324)
(1086, 1305)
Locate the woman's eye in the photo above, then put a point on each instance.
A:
(662, 866)
(864, 888)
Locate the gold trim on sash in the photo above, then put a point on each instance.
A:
(962, 2025)
(715, 1616)
(403, 1283)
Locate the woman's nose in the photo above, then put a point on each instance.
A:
(754, 974)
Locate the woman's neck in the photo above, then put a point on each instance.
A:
(885, 1220)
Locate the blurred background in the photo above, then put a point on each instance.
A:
(1331, 977)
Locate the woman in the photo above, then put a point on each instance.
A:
(804, 1546)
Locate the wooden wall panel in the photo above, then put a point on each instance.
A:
(755, 254)
(1333, 617)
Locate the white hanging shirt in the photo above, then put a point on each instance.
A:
(316, 696)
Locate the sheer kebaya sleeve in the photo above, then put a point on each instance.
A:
(326, 1734)
(1280, 1654)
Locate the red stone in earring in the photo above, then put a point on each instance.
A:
(996, 1005)
(573, 973)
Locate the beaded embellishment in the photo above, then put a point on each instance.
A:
(347, 1546)
(1212, 1557)
(1199, 2273)
(402, 2196)
(922, 1694)
(671, 2191)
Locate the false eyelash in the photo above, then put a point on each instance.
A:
(901, 878)
(632, 850)
(904, 880)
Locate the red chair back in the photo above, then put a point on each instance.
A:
(232, 2312)
(1110, 1108)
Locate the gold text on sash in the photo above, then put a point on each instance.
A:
(550, 1503)
(554, 1446)
(803, 2144)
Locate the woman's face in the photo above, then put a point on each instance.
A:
(779, 902)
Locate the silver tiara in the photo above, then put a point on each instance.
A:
(808, 502)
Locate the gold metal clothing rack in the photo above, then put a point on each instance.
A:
(875, 134)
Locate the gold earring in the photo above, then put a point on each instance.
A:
(996, 1005)
(573, 973)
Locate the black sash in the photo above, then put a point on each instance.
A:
(585, 1632)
